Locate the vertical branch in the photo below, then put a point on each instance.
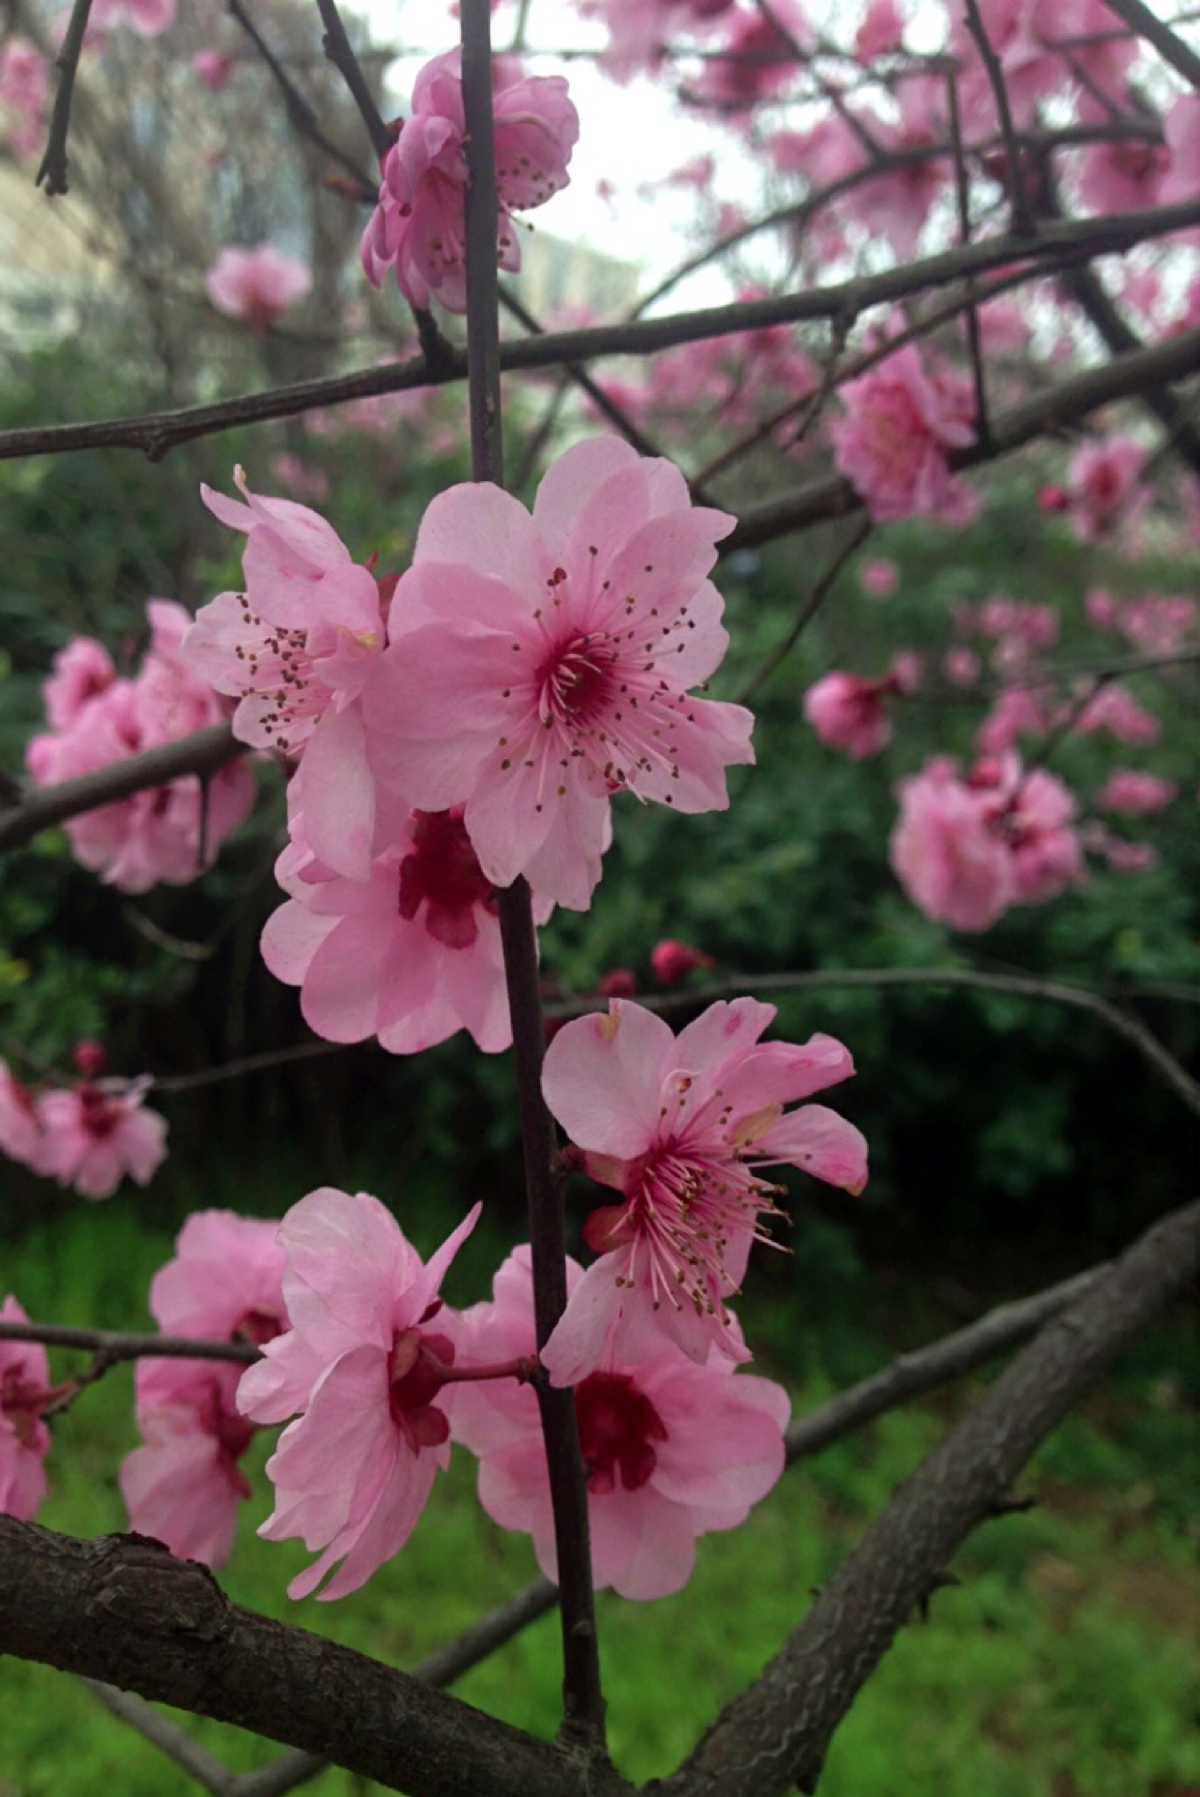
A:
(583, 1703)
(1021, 215)
(963, 195)
(53, 167)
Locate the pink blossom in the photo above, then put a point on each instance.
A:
(541, 664)
(892, 442)
(672, 961)
(410, 955)
(754, 58)
(22, 1137)
(1019, 711)
(677, 1125)
(296, 648)
(258, 285)
(24, 88)
(881, 31)
(1181, 128)
(302, 478)
(82, 671)
(213, 68)
(942, 852)
(24, 1437)
(895, 204)
(417, 227)
(363, 1368)
(1101, 609)
(966, 850)
(224, 1284)
(879, 578)
(1134, 793)
(961, 666)
(168, 833)
(1122, 175)
(1114, 708)
(1103, 482)
(97, 1133)
(847, 712)
(148, 18)
(673, 1449)
(1123, 856)
(639, 30)
(1159, 623)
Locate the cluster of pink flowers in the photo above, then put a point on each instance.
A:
(417, 228)
(257, 285)
(169, 833)
(900, 421)
(24, 88)
(90, 1135)
(184, 1485)
(470, 727)
(966, 848)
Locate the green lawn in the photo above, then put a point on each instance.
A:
(1065, 1660)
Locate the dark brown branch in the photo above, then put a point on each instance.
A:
(808, 611)
(1124, 377)
(340, 52)
(777, 1733)
(299, 111)
(1145, 23)
(155, 434)
(202, 753)
(114, 1345)
(583, 1702)
(52, 171)
(123, 1610)
(1020, 211)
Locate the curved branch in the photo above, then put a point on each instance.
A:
(777, 1733)
(122, 1609)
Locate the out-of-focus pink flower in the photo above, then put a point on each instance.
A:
(224, 1284)
(881, 31)
(168, 833)
(80, 671)
(1101, 609)
(213, 68)
(1104, 485)
(892, 442)
(1123, 856)
(618, 982)
(305, 481)
(847, 712)
(673, 1449)
(22, 1137)
(1181, 128)
(24, 1437)
(965, 850)
(24, 87)
(417, 228)
(879, 578)
(672, 961)
(410, 955)
(1122, 175)
(961, 665)
(98, 1133)
(1159, 623)
(677, 1125)
(754, 58)
(1134, 793)
(257, 286)
(895, 204)
(149, 18)
(1053, 498)
(538, 665)
(1115, 709)
(943, 854)
(1019, 711)
(1026, 36)
(364, 1368)
(639, 30)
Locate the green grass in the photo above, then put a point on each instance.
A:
(1064, 1661)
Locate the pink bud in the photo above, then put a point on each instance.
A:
(88, 1059)
(672, 961)
(618, 982)
(1052, 498)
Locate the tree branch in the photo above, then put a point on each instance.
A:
(1145, 23)
(201, 753)
(122, 1609)
(778, 1732)
(156, 433)
(52, 171)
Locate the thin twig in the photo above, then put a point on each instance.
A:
(168, 1737)
(963, 200)
(340, 52)
(808, 610)
(1020, 212)
(53, 168)
(299, 111)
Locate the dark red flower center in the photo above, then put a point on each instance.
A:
(97, 1113)
(442, 873)
(617, 1428)
(576, 682)
(418, 1367)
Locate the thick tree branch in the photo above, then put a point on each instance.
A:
(1145, 23)
(155, 434)
(778, 1732)
(123, 1610)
